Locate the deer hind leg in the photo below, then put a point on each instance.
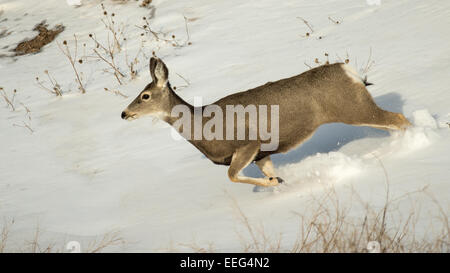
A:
(241, 158)
(388, 121)
(266, 167)
(364, 110)
(398, 120)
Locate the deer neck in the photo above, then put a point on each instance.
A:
(175, 100)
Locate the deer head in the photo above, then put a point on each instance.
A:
(156, 98)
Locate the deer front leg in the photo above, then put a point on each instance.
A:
(241, 158)
(266, 167)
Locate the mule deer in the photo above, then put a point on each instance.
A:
(326, 94)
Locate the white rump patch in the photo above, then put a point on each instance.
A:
(352, 74)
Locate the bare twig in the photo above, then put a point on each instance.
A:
(307, 24)
(187, 30)
(110, 52)
(160, 36)
(307, 65)
(56, 88)
(135, 61)
(9, 102)
(28, 111)
(369, 63)
(116, 92)
(25, 125)
(66, 51)
(182, 86)
(109, 239)
(337, 22)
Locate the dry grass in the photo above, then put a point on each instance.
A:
(335, 21)
(108, 56)
(38, 245)
(24, 125)
(55, 88)
(108, 240)
(195, 247)
(328, 225)
(107, 52)
(9, 99)
(72, 57)
(13, 104)
(115, 30)
(311, 30)
(116, 92)
(331, 229)
(160, 36)
(4, 235)
(112, 50)
(363, 70)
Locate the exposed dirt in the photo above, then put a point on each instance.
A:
(44, 37)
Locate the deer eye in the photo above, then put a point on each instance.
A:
(145, 96)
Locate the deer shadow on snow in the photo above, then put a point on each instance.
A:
(331, 137)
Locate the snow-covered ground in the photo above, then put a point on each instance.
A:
(84, 172)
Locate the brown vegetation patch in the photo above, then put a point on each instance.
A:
(44, 37)
(146, 3)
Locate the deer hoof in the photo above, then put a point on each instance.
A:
(279, 179)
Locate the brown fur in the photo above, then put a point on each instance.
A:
(321, 95)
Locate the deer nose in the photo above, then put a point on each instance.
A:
(124, 115)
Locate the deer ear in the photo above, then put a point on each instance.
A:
(158, 72)
(152, 66)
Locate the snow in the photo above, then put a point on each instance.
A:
(422, 118)
(84, 172)
(74, 2)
